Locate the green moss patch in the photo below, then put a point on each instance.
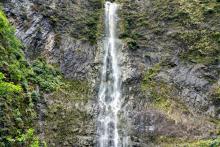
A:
(161, 94)
(73, 90)
(65, 118)
(167, 142)
(193, 25)
(81, 21)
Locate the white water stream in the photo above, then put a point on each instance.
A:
(109, 92)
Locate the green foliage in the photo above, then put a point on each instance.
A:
(200, 43)
(7, 88)
(204, 143)
(2, 76)
(172, 141)
(92, 23)
(26, 139)
(18, 93)
(7, 33)
(47, 77)
(132, 44)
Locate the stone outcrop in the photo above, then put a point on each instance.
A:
(168, 90)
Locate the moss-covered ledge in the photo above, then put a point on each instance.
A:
(68, 116)
(164, 97)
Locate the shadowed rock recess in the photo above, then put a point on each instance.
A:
(169, 61)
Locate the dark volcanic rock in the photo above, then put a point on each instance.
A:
(169, 62)
(77, 59)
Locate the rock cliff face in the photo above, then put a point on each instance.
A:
(170, 64)
(172, 68)
(65, 34)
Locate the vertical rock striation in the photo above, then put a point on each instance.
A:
(169, 65)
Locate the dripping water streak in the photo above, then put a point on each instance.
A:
(109, 92)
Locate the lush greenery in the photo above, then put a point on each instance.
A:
(21, 86)
(164, 141)
(46, 76)
(205, 143)
(193, 25)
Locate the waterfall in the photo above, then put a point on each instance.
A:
(109, 92)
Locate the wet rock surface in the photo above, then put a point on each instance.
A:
(152, 63)
(78, 59)
(184, 110)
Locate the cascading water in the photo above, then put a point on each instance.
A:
(109, 92)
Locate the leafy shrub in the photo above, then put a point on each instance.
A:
(132, 45)
(18, 82)
(27, 137)
(7, 88)
(48, 78)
